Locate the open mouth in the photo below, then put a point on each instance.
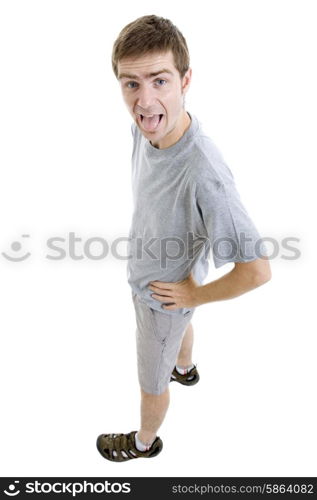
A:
(150, 123)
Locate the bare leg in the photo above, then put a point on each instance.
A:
(153, 411)
(185, 353)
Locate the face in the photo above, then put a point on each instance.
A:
(154, 95)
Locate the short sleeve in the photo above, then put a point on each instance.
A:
(232, 235)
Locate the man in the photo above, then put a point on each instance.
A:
(185, 204)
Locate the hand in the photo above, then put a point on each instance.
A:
(177, 294)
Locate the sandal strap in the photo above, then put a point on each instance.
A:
(123, 442)
(191, 372)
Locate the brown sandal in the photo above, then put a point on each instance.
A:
(121, 447)
(190, 378)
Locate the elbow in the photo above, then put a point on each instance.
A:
(263, 277)
(256, 272)
(263, 272)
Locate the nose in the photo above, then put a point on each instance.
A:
(146, 98)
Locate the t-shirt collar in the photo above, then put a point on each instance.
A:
(172, 151)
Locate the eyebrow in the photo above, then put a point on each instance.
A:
(149, 75)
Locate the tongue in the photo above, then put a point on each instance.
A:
(150, 123)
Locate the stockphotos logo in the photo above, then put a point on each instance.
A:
(161, 249)
(12, 489)
(69, 488)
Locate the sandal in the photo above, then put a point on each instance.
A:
(121, 447)
(185, 379)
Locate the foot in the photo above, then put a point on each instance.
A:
(121, 447)
(190, 378)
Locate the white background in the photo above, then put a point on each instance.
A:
(68, 361)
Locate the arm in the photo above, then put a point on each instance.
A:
(188, 293)
(245, 276)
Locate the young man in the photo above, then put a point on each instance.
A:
(185, 204)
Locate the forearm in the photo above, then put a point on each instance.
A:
(230, 285)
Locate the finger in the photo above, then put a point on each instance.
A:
(154, 287)
(161, 298)
(161, 285)
(171, 307)
(159, 290)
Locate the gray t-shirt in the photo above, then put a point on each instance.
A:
(185, 205)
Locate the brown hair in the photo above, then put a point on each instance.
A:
(149, 34)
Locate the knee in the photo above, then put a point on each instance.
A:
(148, 392)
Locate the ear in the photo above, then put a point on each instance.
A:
(186, 80)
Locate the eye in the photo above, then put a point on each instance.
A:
(160, 80)
(128, 85)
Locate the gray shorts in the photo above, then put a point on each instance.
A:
(158, 339)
